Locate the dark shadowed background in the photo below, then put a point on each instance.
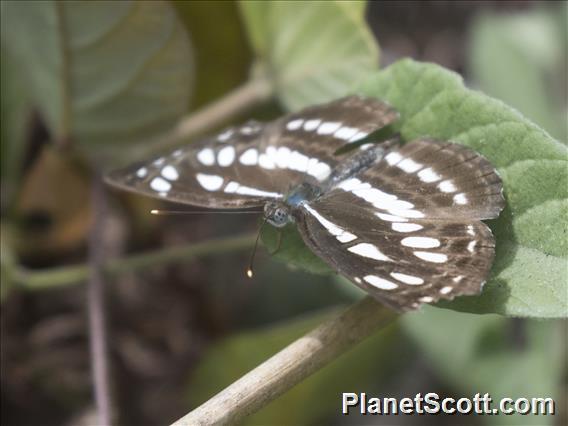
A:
(181, 331)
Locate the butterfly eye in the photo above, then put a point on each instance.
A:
(276, 215)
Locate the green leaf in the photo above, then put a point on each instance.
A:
(526, 356)
(520, 59)
(102, 73)
(291, 246)
(313, 51)
(368, 362)
(529, 276)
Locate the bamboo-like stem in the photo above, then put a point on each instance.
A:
(255, 91)
(291, 365)
(68, 275)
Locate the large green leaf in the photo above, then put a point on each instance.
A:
(521, 59)
(529, 277)
(492, 354)
(102, 73)
(313, 51)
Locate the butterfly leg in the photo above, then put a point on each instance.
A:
(278, 243)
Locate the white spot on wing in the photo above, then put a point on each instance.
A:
(471, 246)
(142, 172)
(358, 136)
(283, 157)
(328, 127)
(311, 125)
(458, 278)
(234, 187)
(415, 214)
(319, 170)
(346, 133)
(470, 230)
(249, 130)
(209, 182)
(447, 186)
(225, 135)
(426, 299)
(245, 190)
(170, 172)
(460, 198)
(341, 234)
(160, 185)
(407, 279)
(159, 161)
(346, 237)
(266, 162)
(431, 257)
(420, 242)
(206, 157)
(294, 124)
(406, 227)
(231, 187)
(350, 184)
(375, 196)
(226, 156)
(446, 290)
(357, 280)
(393, 158)
(368, 250)
(390, 217)
(299, 162)
(380, 282)
(428, 175)
(249, 157)
(409, 166)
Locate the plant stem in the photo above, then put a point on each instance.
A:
(67, 275)
(96, 306)
(291, 365)
(258, 89)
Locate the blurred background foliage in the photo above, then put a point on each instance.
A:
(88, 84)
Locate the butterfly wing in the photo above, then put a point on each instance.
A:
(399, 233)
(248, 165)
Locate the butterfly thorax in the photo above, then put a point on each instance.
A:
(280, 213)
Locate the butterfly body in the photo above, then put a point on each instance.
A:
(401, 222)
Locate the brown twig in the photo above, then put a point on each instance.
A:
(291, 365)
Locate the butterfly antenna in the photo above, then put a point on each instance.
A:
(249, 271)
(157, 212)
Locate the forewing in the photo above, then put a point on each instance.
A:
(247, 165)
(218, 172)
(402, 264)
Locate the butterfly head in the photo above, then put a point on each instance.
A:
(277, 214)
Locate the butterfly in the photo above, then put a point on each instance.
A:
(403, 222)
